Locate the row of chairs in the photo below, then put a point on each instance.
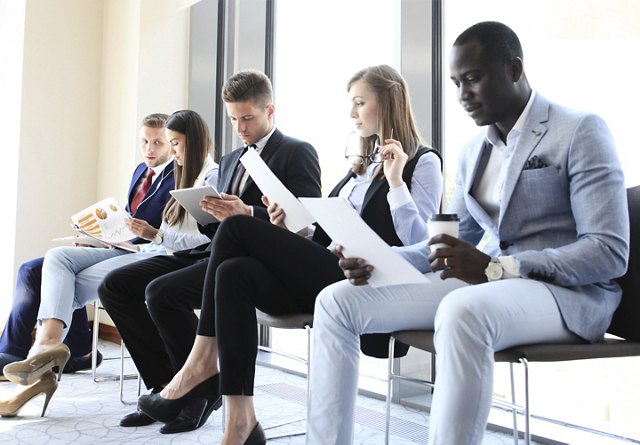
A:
(622, 340)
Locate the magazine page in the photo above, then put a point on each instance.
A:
(105, 221)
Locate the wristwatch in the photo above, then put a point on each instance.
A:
(494, 270)
(158, 238)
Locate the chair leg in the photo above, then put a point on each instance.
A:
(299, 432)
(121, 371)
(514, 413)
(94, 340)
(392, 345)
(527, 412)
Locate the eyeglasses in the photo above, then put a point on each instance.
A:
(353, 146)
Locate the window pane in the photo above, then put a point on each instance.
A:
(578, 53)
(319, 46)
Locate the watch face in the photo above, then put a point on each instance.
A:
(494, 271)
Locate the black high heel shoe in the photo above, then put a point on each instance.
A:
(166, 410)
(193, 416)
(257, 436)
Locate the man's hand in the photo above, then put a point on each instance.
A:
(226, 205)
(460, 260)
(356, 270)
(276, 214)
(141, 228)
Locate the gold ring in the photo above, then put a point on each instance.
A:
(446, 262)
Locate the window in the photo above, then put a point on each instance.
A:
(319, 46)
(580, 54)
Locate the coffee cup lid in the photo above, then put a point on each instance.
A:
(444, 217)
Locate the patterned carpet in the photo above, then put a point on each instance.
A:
(83, 411)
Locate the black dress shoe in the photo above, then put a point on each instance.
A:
(166, 410)
(192, 416)
(137, 418)
(75, 364)
(257, 436)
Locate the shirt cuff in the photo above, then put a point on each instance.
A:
(510, 266)
(399, 196)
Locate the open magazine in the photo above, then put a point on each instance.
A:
(104, 221)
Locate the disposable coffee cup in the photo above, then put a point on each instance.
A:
(443, 223)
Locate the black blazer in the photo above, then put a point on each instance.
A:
(294, 162)
(377, 214)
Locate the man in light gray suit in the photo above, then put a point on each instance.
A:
(545, 184)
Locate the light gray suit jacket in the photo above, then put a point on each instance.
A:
(563, 212)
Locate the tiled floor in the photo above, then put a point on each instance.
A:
(83, 411)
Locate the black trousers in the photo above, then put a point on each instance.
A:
(151, 303)
(255, 264)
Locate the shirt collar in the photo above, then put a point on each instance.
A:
(158, 169)
(493, 137)
(260, 144)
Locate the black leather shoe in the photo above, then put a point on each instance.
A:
(75, 364)
(192, 416)
(137, 418)
(257, 436)
(166, 410)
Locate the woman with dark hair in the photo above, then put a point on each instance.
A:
(394, 187)
(71, 275)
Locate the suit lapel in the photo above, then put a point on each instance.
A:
(532, 133)
(376, 182)
(267, 152)
(233, 164)
(481, 155)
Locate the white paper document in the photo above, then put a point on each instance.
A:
(190, 199)
(296, 216)
(104, 220)
(345, 227)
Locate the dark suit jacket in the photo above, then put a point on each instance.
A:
(294, 162)
(151, 207)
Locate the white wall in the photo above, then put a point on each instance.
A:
(11, 30)
(91, 70)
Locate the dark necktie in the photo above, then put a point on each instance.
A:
(144, 188)
(239, 174)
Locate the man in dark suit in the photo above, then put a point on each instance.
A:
(142, 204)
(152, 302)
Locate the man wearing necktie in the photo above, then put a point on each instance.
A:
(146, 201)
(142, 190)
(160, 333)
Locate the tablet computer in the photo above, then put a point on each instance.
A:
(190, 199)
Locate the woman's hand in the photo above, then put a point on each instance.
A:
(141, 228)
(394, 161)
(276, 214)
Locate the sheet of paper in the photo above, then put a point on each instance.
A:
(345, 227)
(297, 217)
(104, 220)
(190, 199)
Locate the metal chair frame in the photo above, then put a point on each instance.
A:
(625, 326)
(97, 306)
(292, 321)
